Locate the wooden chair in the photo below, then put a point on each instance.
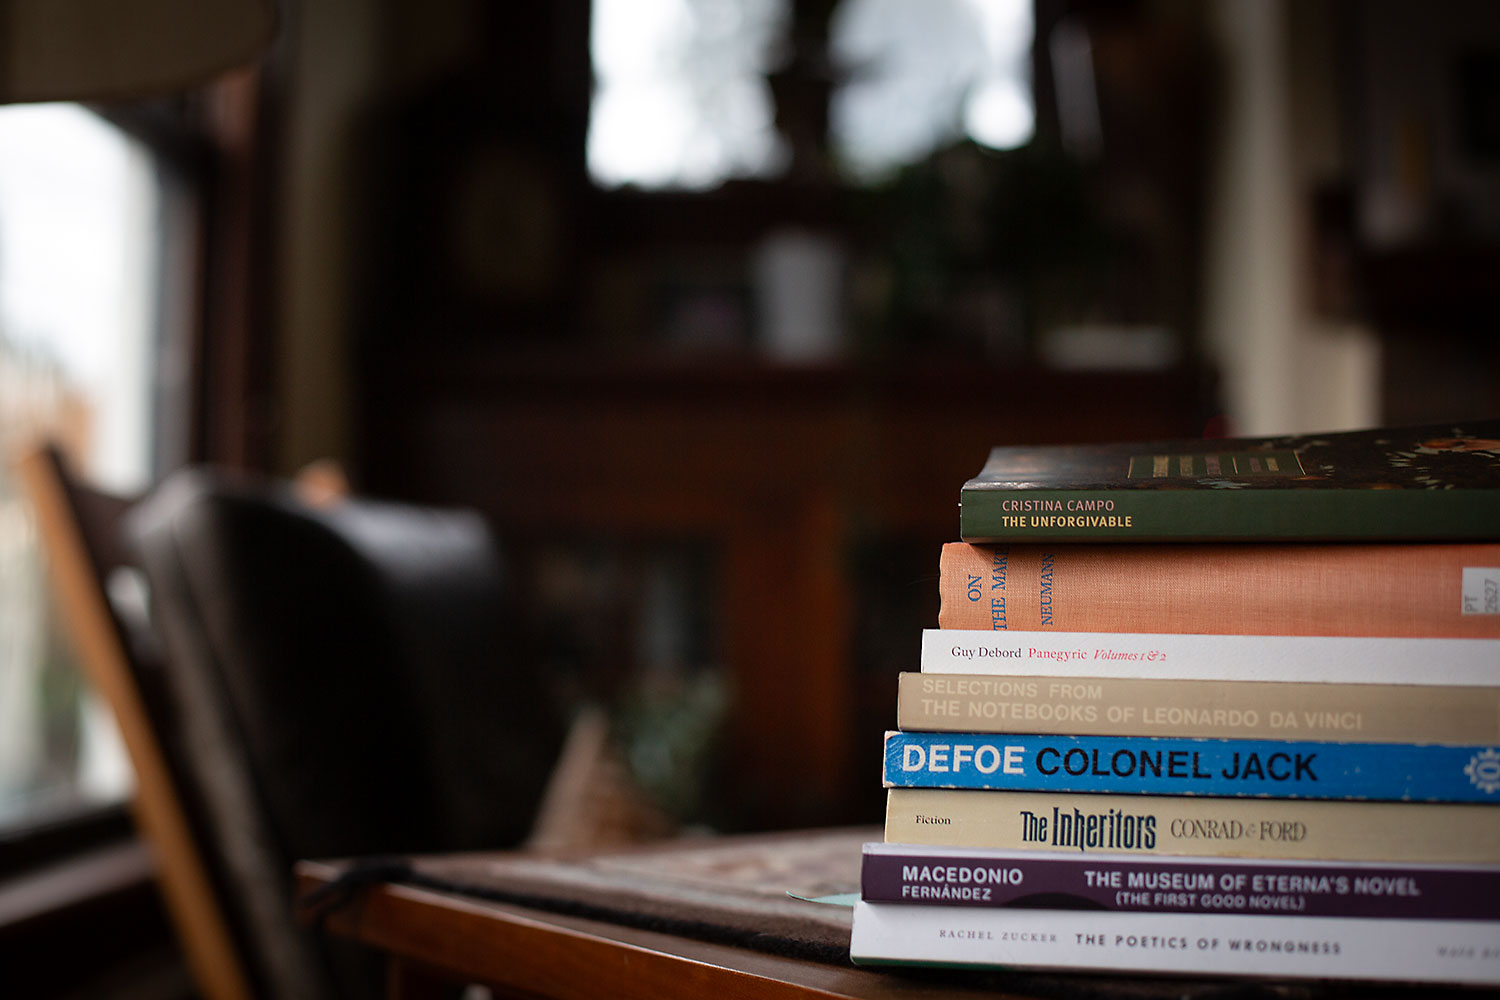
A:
(78, 527)
(279, 609)
(213, 905)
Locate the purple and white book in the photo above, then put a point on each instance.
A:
(1056, 880)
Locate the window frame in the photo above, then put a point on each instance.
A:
(215, 147)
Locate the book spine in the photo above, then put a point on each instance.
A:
(1150, 765)
(1291, 658)
(1449, 951)
(1141, 706)
(989, 514)
(901, 873)
(1312, 590)
(1308, 829)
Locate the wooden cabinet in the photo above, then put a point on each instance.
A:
(780, 471)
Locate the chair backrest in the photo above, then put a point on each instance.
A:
(335, 678)
(348, 682)
(78, 530)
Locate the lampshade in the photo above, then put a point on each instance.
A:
(118, 50)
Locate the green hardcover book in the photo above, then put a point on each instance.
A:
(1393, 484)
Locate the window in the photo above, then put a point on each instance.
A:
(921, 76)
(682, 98)
(80, 252)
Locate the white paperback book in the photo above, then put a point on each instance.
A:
(1445, 951)
(1326, 659)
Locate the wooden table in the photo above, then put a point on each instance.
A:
(436, 941)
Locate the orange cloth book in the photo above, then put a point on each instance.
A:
(1411, 589)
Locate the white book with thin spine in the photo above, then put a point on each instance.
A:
(1326, 659)
(1433, 951)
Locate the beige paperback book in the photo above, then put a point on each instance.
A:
(1139, 706)
(1194, 825)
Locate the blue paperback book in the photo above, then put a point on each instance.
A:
(1147, 765)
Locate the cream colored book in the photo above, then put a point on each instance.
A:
(1214, 944)
(1141, 706)
(1189, 825)
(1190, 656)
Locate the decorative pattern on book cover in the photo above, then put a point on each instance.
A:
(1147, 765)
(1313, 829)
(1146, 706)
(1433, 482)
(910, 873)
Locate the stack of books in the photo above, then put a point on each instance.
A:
(1223, 707)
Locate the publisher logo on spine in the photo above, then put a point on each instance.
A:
(1483, 770)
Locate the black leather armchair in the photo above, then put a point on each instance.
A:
(348, 685)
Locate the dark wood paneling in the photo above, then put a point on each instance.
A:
(780, 468)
